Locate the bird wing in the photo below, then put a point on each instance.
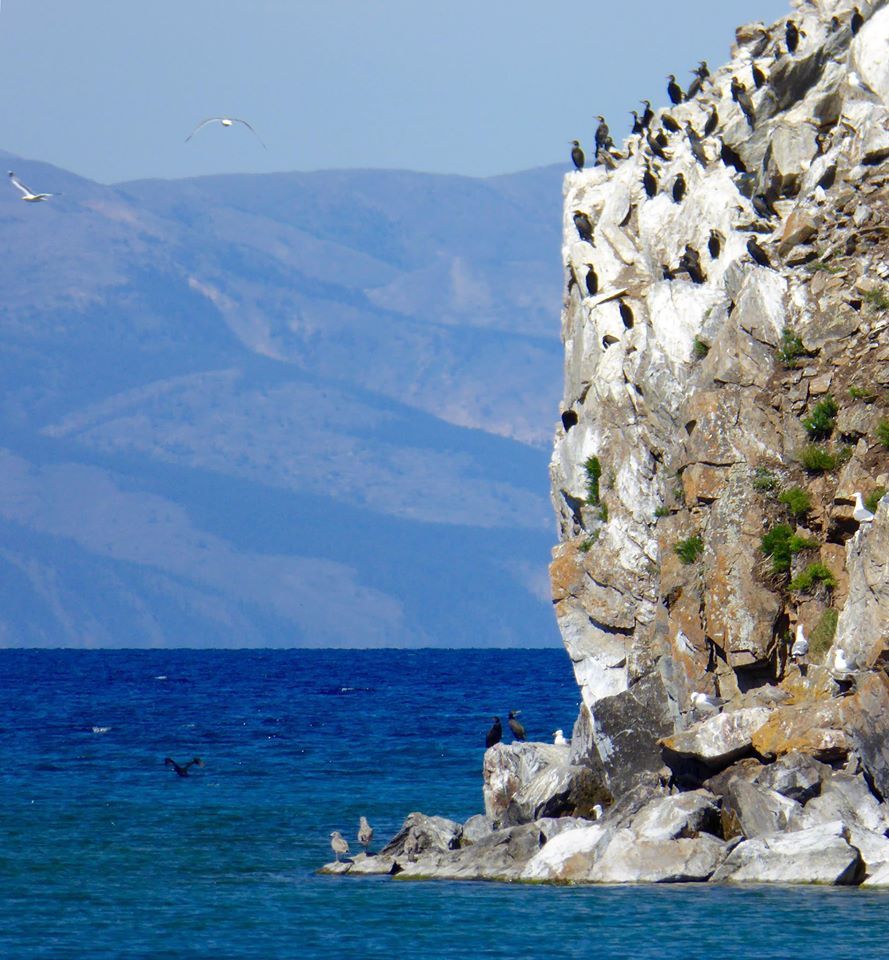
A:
(203, 123)
(247, 125)
(19, 185)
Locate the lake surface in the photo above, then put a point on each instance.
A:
(105, 853)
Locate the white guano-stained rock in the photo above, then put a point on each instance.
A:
(680, 815)
(625, 858)
(820, 854)
(569, 856)
(720, 739)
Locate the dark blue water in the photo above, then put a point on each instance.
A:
(106, 854)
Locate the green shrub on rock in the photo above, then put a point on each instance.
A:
(782, 544)
(822, 636)
(689, 550)
(816, 459)
(820, 423)
(813, 574)
(873, 498)
(797, 501)
(883, 433)
(593, 473)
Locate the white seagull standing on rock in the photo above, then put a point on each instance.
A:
(338, 844)
(559, 739)
(27, 194)
(860, 513)
(704, 703)
(226, 122)
(801, 645)
(365, 833)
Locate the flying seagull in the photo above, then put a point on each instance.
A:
(226, 122)
(27, 193)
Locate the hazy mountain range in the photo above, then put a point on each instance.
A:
(278, 410)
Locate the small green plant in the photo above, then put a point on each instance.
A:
(877, 298)
(816, 459)
(782, 544)
(883, 433)
(587, 544)
(593, 473)
(873, 498)
(862, 393)
(813, 574)
(699, 349)
(822, 636)
(790, 349)
(797, 501)
(689, 550)
(603, 513)
(820, 423)
(764, 480)
(662, 512)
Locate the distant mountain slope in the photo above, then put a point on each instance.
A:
(278, 410)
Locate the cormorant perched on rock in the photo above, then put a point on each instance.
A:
(626, 315)
(584, 226)
(638, 126)
(701, 72)
(656, 148)
(667, 273)
(577, 155)
(759, 78)
(182, 768)
(690, 262)
(736, 88)
(365, 833)
(763, 206)
(757, 252)
(714, 244)
(674, 91)
(495, 734)
(742, 99)
(518, 731)
(678, 188)
(669, 123)
(697, 145)
(791, 36)
(604, 158)
(712, 122)
(647, 114)
(649, 182)
(857, 21)
(592, 281)
(603, 137)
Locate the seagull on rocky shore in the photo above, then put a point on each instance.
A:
(800, 645)
(559, 739)
(365, 833)
(338, 844)
(840, 664)
(226, 122)
(706, 703)
(861, 513)
(27, 193)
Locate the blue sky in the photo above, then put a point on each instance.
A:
(111, 88)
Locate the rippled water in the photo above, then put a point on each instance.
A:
(105, 853)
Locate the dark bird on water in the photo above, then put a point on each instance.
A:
(649, 182)
(603, 136)
(857, 21)
(647, 113)
(757, 252)
(696, 144)
(669, 123)
(759, 78)
(674, 91)
(518, 731)
(592, 281)
(182, 768)
(712, 122)
(791, 36)
(690, 262)
(577, 156)
(763, 206)
(495, 734)
(678, 188)
(584, 226)
(714, 244)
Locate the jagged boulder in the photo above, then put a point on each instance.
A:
(820, 854)
(510, 767)
(561, 790)
(625, 857)
(751, 810)
(795, 775)
(421, 835)
(847, 798)
(569, 856)
(476, 828)
(720, 739)
(679, 815)
(814, 728)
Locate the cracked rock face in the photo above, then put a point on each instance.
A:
(693, 378)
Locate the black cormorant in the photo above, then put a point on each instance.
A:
(638, 126)
(656, 148)
(667, 273)
(603, 137)
(759, 78)
(678, 188)
(182, 768)
(736, 88)
(674, 91)
(690, 261)
(791, 36)
(763, 206)
(712, 122)
(701, 72)
(626, 315)
(649, 182)
(592, 281)
(697, 146)
(669, 123)
(518, 731)
(584, 226)
(757, 252)
(857, 21)
(495, 734)
(714, 244)
(742, 99)
(577, 155)
(647, 114)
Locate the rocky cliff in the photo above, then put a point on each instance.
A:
(719, 475)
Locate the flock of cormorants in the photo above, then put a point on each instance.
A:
(654, 142)
(495, 734)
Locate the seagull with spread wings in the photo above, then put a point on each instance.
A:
(226, 122)
(27, 193)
